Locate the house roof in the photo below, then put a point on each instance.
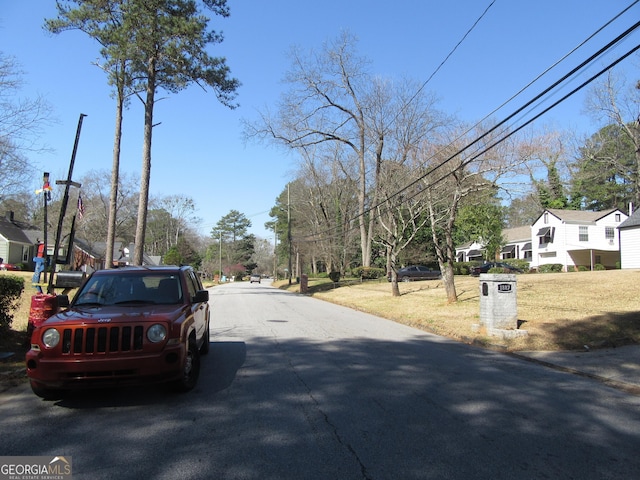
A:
(12, 232)
(578, 216)
(121, 252)
(632, 221)
(517, 234)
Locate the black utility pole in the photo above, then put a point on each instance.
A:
(65, 200)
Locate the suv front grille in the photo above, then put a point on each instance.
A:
(110, 339)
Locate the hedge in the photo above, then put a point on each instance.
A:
(11, 288)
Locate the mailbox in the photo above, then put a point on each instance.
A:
(69, 279)
(498, 301)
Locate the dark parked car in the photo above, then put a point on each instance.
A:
(416, 272)
(485, 267)
(124, 326)
(9, 266)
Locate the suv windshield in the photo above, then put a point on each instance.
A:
(136, 287)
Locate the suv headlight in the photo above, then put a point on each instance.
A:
(51, 338)
(156, 333)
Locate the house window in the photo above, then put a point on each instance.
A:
(583, 235)
(545, 235)
(608, 233)
(618, 217)
(546, 217)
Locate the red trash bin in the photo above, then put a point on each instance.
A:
(43, 306)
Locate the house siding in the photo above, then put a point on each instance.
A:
(630, 248)
(569, 248)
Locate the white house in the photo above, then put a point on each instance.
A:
(630, 241)
(575, 238)
(518, 246)
(518, 243)
(470, 252)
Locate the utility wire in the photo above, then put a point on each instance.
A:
(519, 110)
(532, 101)
(523, 89)
(510, 133)
(464, 37)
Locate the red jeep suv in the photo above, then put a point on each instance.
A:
(125, 326)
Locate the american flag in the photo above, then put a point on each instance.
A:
(80, 206)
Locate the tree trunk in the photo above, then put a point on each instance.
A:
(391, 269)
(449, 283)
(146, 165)
(115, 179)
(362, 198)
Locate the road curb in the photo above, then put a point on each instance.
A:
(631, 388)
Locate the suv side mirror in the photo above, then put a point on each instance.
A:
(201, 296)
(63, 301)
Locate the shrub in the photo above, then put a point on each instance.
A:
(11, 288)
(599, 266)
(463, 268)
(498, 270)
(334, 276)
(550, 268)
(368, 273)
(523, 265)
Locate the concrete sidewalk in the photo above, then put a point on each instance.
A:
(618, 367)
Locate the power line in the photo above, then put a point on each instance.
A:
(538, 77)
(516, 112)
(464, 37)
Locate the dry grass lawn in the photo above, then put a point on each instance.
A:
(560, 311)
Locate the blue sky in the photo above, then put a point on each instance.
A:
(198, 149)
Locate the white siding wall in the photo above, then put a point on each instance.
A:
(550, 252)
(629, 251)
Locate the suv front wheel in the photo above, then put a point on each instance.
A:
(190, 368)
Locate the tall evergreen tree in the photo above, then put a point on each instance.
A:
(606, 173)
(157, 44)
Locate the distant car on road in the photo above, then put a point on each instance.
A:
(416, 272)
(255, 278)
(484, 268)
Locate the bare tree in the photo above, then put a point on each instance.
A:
(616, 102)
(454, 172)
(324, 207)
(327, 103)
(96, 199)
(180, 214)
(545, 154)
(21, 123)
(333, 99)
(401, 215)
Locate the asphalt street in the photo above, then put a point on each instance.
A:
(295, 387)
